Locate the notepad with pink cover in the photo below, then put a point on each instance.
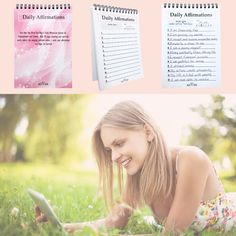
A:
(43, 46)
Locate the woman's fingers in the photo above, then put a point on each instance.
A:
(37, 211)
(39, 216)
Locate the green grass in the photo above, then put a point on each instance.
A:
(72, 193)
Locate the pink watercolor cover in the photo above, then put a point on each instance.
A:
(43, 47)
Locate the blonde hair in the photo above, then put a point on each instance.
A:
(155, 181)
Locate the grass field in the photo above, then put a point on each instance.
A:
(72, 193)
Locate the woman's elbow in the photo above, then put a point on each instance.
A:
(177, 226)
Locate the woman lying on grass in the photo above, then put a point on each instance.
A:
(179, 184)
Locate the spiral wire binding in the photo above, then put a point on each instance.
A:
(191, 5)
(106, 8)
(42, 6)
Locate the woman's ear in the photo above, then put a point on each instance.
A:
(149, 132)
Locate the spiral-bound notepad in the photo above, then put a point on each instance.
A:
(43, 46)
(116, 51)
(190, 45)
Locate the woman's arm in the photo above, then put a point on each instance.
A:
(117, 219)
(193, 170)
(95, 225)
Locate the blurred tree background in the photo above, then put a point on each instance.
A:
(42, 128)
(217, 133)
(47, 128)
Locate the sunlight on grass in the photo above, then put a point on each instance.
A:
(52, 172)
(73, 195)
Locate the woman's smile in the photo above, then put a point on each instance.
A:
(125, 162)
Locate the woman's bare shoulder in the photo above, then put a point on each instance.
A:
(194, 156)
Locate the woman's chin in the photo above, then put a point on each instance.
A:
(131, 171)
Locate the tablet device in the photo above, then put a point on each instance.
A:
(45, 207)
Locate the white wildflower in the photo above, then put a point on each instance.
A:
(14, 211)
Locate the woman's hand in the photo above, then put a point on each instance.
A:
(39, 216)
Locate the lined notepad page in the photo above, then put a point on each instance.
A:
(190, 45)
(116, 46)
